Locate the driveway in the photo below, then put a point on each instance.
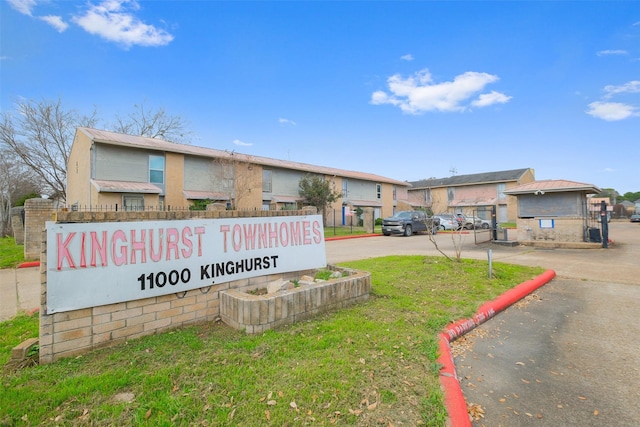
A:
(566, 355)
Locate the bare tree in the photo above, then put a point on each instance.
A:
(41, 134)
(234, 178)
(153, 123)
(16, 181)
(457, 238)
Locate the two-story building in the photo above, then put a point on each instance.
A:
(108, 170)
(471, 194)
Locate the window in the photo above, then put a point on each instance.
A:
(345, 187)
(266, 180)
(379, 191)
(501, 188)
(156, 169)
(133, 202)
(427, 195)
(451, 194)
(395, 193)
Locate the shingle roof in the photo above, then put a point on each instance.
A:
(125, 187)
(204, 195)
(476, 178)
(142, 142)
(553, 186)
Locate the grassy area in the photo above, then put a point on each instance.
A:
(372, 364)
(10, 254)
(348, 230)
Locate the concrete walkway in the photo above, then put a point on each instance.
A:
(19, 291)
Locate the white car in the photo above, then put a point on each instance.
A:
(480, 222)
(447, 222)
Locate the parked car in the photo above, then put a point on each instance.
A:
(635, 218)
(407, 223)
(464, 221)
(480, 222)
(447, 222)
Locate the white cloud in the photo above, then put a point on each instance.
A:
(629, 87)
(612, 111)
(491, 98)
(407, 57)
(612, 52)
(418, 93)
(286, 122)
(55, 21)
(113, 21)
(23, 6)
(26, 8)
(241, 143)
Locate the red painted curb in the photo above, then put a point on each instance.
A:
(453, 397)
(29, 264)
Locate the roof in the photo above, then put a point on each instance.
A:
(476, 178)
(205, 195)
(286, 199)
(484, 201)
(366, 203)
(125, 187)
(553, 186)
(142, 142)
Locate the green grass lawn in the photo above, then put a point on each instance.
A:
(10, 254)
(370, 364)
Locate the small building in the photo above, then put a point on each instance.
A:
(555, 212)
(474, 194)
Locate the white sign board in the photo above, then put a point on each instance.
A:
(92, 264)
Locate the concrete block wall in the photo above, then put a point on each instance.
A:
(79, 331)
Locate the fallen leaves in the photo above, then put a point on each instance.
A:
(475, 411)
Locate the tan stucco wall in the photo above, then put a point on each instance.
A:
(174, 180)
(79, 171)
(248, 186)
(387, 200)
(439, 200)
(569, 229)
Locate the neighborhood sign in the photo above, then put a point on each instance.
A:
(92, 264)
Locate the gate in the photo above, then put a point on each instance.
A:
(592, 221)
(480, 233)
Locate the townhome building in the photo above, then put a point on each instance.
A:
(126, 172)
(474, 194)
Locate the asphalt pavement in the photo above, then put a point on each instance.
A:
(566, 355)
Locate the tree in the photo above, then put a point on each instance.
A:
(630, 196)
(41, 135)
(234, 178)
(152, 123)
(317, 191)
(16, 182)
(610, 193)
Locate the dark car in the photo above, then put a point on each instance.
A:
(634, 218)
(408, 222)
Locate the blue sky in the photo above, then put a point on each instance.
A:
(407, 90)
